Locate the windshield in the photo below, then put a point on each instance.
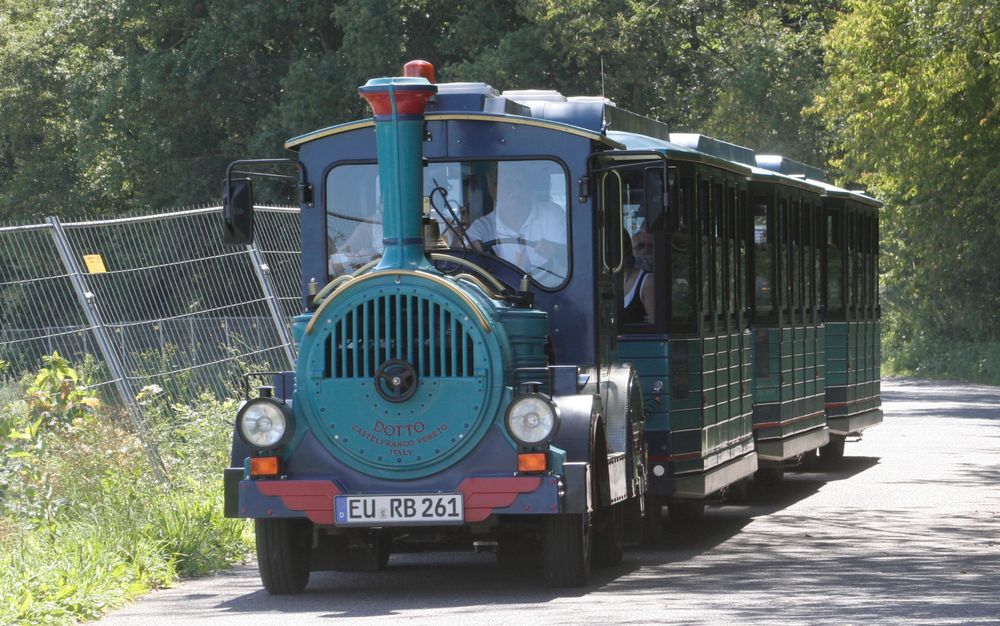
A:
(513, 210)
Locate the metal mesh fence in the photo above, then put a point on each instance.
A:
(39, 313)
(277, 238)
(150, 303)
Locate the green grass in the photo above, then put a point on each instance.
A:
(84, 525)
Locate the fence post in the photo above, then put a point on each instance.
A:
(263, 271)
(90, 309)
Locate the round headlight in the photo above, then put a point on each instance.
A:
(263, 423)
(531, 419)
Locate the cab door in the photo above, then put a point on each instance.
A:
(610, 244)
(633, 194)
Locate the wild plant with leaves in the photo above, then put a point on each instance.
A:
(84, 524)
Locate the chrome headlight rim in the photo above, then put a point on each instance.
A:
(283, 409)
(553, 412)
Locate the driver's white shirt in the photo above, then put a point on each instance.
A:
(545, 222)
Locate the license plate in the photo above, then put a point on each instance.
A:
(438, 508)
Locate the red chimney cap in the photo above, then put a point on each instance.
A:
(419, 69)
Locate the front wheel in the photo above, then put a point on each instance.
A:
(283, 547)
(567, 540)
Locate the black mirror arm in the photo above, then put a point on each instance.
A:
(305, 189)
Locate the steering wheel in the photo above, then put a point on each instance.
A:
(489, 246)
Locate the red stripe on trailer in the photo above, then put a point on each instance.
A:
(687, 456)
(791, 421)
(850, 402)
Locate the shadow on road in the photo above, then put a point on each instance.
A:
(431, 581)
(907, 531)
(880, 566)
(924, 398)
(723, 521)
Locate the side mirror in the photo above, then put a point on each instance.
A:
(612, 233)
(660, 195)
(655, 199)
(237, 211)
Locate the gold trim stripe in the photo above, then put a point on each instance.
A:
(526, 121)
(295, 142)
(473, 117)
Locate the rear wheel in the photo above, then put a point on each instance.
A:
(609, 535)
(652, 523)
(283, 547)
(518, 553)
(833, 451)
(809, 461)
(689, 513)
(383, 547)
(739, 491)
(644, 527)
(363, 553)
(769, 475)
(567, 540)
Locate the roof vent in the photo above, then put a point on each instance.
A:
(790, 167)
(544, 95)
(480, 89)
(715, 147)
(600, 99)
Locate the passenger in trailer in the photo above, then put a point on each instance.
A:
(638, 281)
(525, 228)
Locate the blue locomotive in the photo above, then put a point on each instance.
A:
(533, 321)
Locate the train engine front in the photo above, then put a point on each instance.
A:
(424, 410)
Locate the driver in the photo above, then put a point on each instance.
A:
(526, 228)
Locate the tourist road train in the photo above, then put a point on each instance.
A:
(533, 322)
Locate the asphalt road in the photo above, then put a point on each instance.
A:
(905, 530)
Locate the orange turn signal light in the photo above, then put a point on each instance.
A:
(264, 466)
(532, 462)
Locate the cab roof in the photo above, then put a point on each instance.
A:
(600, 120)
(586, 115)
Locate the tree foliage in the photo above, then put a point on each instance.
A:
(914, 101)
(112, 106)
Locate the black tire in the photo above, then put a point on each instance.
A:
(383, 549)
(367, 554)
(769, 475)
(833, 451)
(283, 547)
(809, 461)
(652, 523)
(609, 535)
(739, 491)
(644, 530)
(690, 513)
(567, 540)
(518, 553)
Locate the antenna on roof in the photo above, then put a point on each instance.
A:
(602, 76)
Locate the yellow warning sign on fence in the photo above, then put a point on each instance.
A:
(95, 264)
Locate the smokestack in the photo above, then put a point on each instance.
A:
(398, 105)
